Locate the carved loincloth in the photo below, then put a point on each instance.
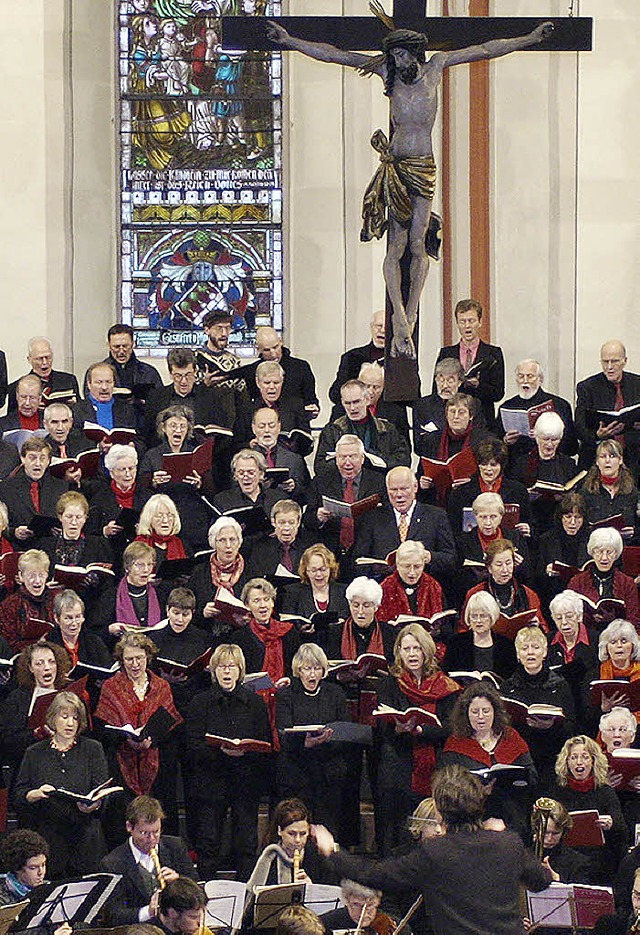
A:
(392, 188)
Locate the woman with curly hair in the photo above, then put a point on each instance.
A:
(582, 784)
(482, 737)
(408, 750)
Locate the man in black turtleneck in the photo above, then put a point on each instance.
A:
(379, 436)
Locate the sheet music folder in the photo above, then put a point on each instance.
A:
(269, 901)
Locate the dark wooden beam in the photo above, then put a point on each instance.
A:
(365, 33)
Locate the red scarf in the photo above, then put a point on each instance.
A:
(175, 548)
(271, 637)
(119, 705)
(124, 498)
(485, 540)
(348, 645)
(225, 576)
(610, 481)
(609, 671)
(447, 436)
(433, 689)
(490, 488)
(507, 750)
(581, 785)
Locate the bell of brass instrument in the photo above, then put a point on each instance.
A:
(297, 860)
(156, 866)
(542, 809)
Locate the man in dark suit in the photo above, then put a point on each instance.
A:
(372, 375)
(486, 382)
(529, 378)
(347, 479)
(266, 427)
(291, 411)
(403, 518)
(612, 389)
(40, 358)
(135, 899)
(31, 491)
(353, 359)
(299, 381)
(282, 547)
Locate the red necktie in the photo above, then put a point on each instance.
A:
(35, 495)
(346, 523)
(286, 556)
(63, 451)
(271, 462)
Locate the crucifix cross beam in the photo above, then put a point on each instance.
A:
(365, 33)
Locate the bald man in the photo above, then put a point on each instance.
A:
(299, 381)
(40, 359)
(382, 530)
(612, 389)
(529, 379)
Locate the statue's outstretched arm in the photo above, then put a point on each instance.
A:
(321, 51)
(494, 48)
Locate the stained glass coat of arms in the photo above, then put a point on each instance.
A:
(201, 173)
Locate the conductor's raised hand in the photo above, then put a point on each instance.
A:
(324, 839)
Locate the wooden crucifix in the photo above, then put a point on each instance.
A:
(399, 198)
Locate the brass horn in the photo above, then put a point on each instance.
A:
(542, 809)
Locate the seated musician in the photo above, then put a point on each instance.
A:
(361, 910)
(23, 861)
(181, 906)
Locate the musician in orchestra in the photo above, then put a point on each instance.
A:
(298, 920)
(291, 856)
(181, 907)
(66, 760)
(567, 865)
(23, 862)
(135, 899)
(361, 911)
(40, 668)
(408, 750)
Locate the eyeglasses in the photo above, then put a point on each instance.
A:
(309, 669)
(227, 666)
(143, 566)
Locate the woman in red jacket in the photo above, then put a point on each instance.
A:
(603, 580)
(410, 590)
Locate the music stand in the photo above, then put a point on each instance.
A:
(75, 901)
(271, 900)
(9, 913)
(225, 903)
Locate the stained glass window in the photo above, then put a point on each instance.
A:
(201, 173)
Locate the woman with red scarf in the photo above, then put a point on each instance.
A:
(492, 457)
(132, 696)
(609, 488)
(408, 751)
(158, 527)
(122, 492)
(482, 736)
(619, 655)
(601, 580)
(459, 434)
(225, 569)
(410, 590)
(488, 510)
(512, 597)
(581, 785)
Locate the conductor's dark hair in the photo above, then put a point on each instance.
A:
(20, 846)
(459, 797)
(181, 894)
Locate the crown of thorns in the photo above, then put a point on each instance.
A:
(414, 42)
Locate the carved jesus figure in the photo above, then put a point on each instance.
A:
(400, 195)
